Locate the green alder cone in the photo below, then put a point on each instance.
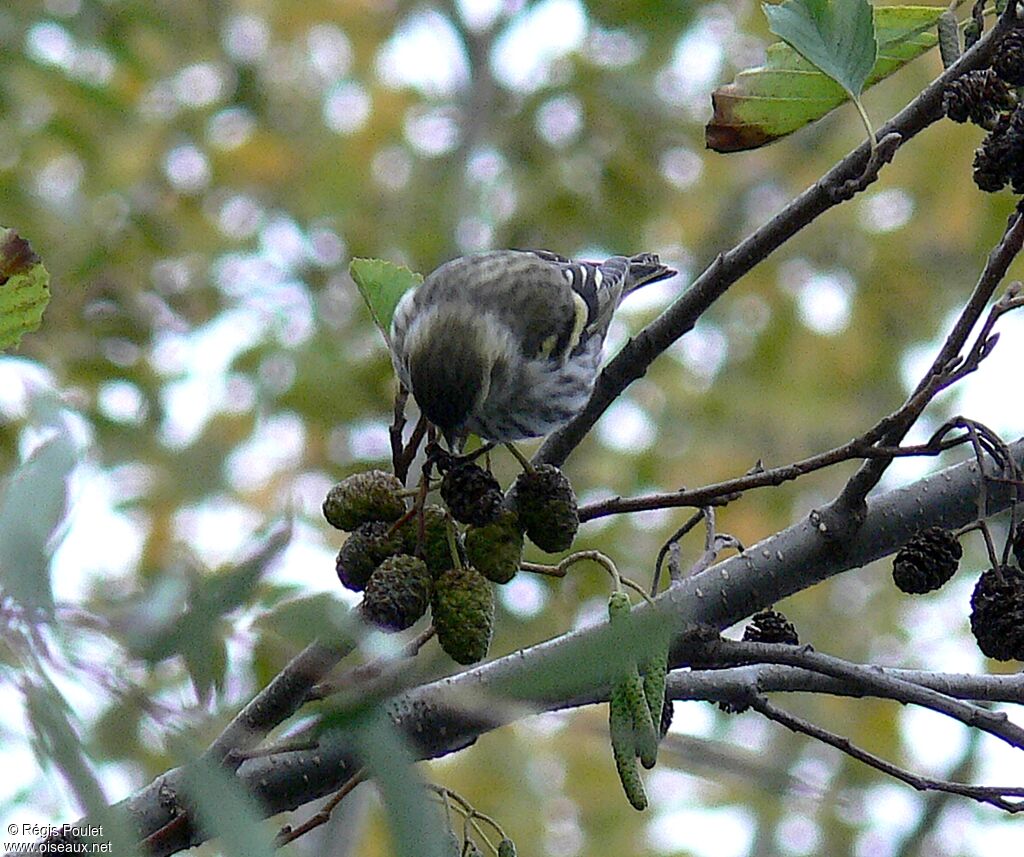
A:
(463, 613)
(655, 673)
(366, 548)
(436, 549)
(397, 593)
(546, 505)
(496, 549)
(620, 729)
(373, 495)
(506, 848)
(631, 687)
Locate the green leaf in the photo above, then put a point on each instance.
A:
(24, 288)
(382, 285)
(172, 620)
(226, 812)
(837, 36)
(299, 621)
(31, 510)
(765, 103)
(416, 827)
(206, 658)
(57, 743)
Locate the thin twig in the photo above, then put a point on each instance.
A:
(372, 671)
(290, 834)
(729, 652)
(274, 750)
(994, 795)
(672, 541)
(945, 370)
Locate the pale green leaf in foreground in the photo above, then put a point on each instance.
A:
(382, 285)
(227, 813)
(24, 288)
(31, 510)
(415, 823)
(58, 743)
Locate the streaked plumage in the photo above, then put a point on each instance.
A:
(507, 344)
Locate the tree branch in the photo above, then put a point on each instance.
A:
(943, 372)
(874, 682)
(632, 361)
(997, 796)
(448, 715)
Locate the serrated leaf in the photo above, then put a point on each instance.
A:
(837, 36)
(765, 103)
(24, 288)
(382, 285)
(32, 508)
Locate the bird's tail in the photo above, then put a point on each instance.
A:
(645, 268)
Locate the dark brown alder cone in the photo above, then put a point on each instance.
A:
(366, 548)
(397, 593)
(927, 561)
(1018, 545)
(978, 96)
(997, 613)
(546, 504)
(472, 495)
(770, 626)
(1000, 158)
(766, 626)
(1008, 60)
(666, 718)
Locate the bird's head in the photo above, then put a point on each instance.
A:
(451, 357)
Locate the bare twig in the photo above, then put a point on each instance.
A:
(672, 542)
(728, 652)
(735, 683)
(994, 795)
(883, 152)
(395, 433)
(372, 671)
(948, 367)
(290, 834)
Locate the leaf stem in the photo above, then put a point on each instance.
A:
(867, 121)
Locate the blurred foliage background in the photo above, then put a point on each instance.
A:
(197, 175)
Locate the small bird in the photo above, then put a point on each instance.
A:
(507, 344)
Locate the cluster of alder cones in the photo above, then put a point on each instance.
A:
(997, 604)
(988, 98)
(407, 558)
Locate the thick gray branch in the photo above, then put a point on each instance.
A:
(450, 714)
